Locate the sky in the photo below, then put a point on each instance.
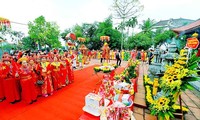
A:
(67, 13)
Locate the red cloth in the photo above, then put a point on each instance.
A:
(47, 87)
(87, 116)
(89, 53)
(198, 53)
(29, 92)
(2, 94)
(70, 72)
(134, 81)
(142, 56)
(64, 74)
(56, 76)
(10, 83)
(35, 78)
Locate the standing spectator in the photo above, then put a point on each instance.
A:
(150, 56)
(12, 51)
(133, 55)
(89, 54)
(122, 54)
(73, 58)
(118, 58)
(142, 53)
(80, 59)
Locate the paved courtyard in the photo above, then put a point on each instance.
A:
(190, 99)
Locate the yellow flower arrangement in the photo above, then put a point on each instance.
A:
(177, 107)
(147, 80)
(149, 97)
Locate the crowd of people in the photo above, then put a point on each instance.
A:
(26, 75)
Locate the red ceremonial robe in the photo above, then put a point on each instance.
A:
(45, 71)
(64, 73)
(10, 83)
(2, 94)
(29, 92)
(56, 75)
(70, 72)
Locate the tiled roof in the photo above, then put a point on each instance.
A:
(193, 25)
(173, 23)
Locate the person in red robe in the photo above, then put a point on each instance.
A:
(2, 94)
(134, 55)
(64, 73)
(70, 71)
(44, 69)
(56, 73)
(33, 66)
(10, 83)
(89, 54)
(142, 56)
(27, 81)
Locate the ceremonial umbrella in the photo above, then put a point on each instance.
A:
(71, 35)
(105, 38)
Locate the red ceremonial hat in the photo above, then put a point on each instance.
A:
(6, 59)
(42, 56)
(22, 59)
(31, 58)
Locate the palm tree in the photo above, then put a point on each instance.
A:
(131, 23)
(147, 25)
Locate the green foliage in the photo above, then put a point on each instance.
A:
(161, 37)
(77, 30)
(64, 33)
(147, 25)
(44, 33)
(106, 29)
(28, 43)
(140, 40)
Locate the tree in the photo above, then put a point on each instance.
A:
(125, 9)
(162, 37)
(28, 43)
(105, 28)
(131, 23)
(52, 37)
(147, 25)
(77, 30)
(63, 34)
(44, 33)
(140, 41)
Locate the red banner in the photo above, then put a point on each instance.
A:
(192, 43)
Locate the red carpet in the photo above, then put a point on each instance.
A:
(65, 104)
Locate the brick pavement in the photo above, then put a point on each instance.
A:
(190, 99)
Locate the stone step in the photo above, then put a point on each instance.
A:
(140, 95)
(140, 102)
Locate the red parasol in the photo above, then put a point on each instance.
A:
(71, 35)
